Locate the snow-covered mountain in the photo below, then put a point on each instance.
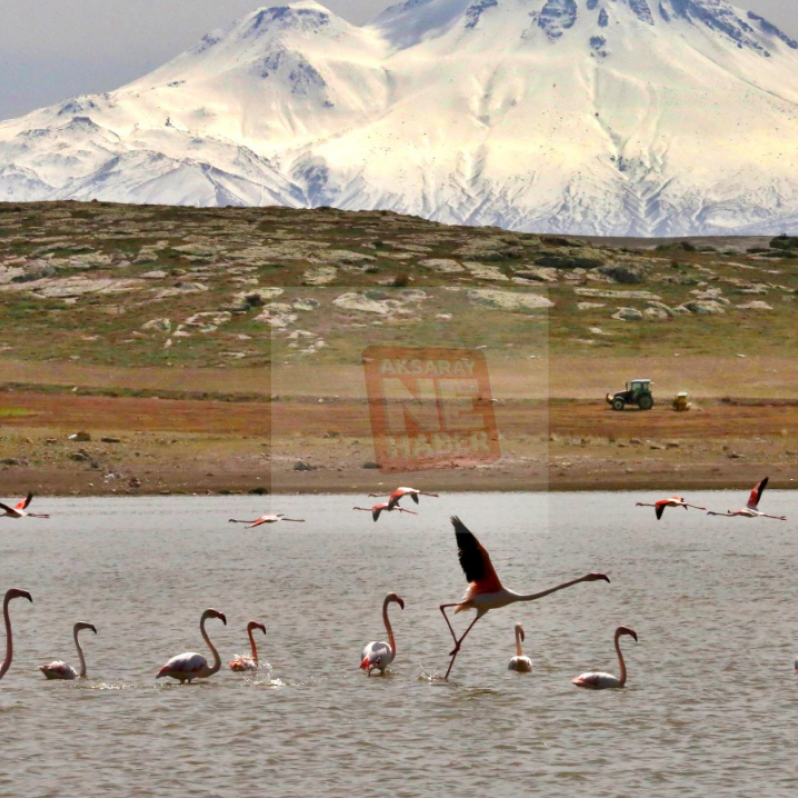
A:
(612, 117)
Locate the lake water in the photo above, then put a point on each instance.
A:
(711, 705)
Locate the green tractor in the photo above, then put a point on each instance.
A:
(638, 392)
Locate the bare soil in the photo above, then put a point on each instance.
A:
(179, 445)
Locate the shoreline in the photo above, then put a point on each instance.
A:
(151, 446)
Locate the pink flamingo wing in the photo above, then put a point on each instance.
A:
(756, 494)
(475, 560)
(587, 680)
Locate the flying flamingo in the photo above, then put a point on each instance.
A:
(751, 509)
(600, 681)
(378, 508)
(673, 501)
(13, 593)
(485, 591)
(379, 654)
(191, 665)
(58, 669)
(399, 493)
(244, 663)
(519, 662)
(269, 518)
(18, 511)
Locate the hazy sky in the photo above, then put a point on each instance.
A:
(54, 49)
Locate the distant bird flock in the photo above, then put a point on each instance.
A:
(484, 592)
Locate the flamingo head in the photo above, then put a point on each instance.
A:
(18, 592)
(211, 613)
(81, 625)
(520, 631)
(627, 630)
(596, 577)
(255, 625)
(398, 599)
(365, 664)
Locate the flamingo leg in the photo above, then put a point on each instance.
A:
(448, 623)
(453, 653)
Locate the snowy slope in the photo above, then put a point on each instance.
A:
(617, 117)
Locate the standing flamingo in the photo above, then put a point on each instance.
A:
(18, 510)
(380, 654)
(270, 518)
(519, 662)
(600, 681)
(191, 665)
(245, 663)
(58, 669)
(751, 509)
(673, 501)
(14, 592)
(485, 591)
(378, 508)
(399, 493)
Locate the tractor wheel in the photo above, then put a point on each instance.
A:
(646, 401)
(617, 403)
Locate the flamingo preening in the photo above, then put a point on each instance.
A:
(378, 508)
(191, 665)
(58, 669)
(485, 591)
(12, 593)
(600, 681)
(19, 509)
(270, 518)
(519, 662)
(751, 510)
(245, 663)
(379, 654)
(399, 493)
(672, 501)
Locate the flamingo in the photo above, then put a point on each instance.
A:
(751, 509)
(379, 654)
(244, 663)
(673, 501)
(269, 518)
(19, 509)
(399, 493)
(378, 508)
(14, 592)
(519, 662)
(600, 681)
(191, 665)
(58, 669)
(485, 591)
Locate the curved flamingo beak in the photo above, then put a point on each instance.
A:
(364, 665)
(400, 602)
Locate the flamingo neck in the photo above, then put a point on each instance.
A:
(253, 646)
(9, 643)
(391, 641)
(518, 643)
(82, 674)
(533, 596)
(621, 663)
(217, 661)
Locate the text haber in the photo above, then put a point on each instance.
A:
(429, 408)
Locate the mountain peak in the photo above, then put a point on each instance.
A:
(622, 117)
